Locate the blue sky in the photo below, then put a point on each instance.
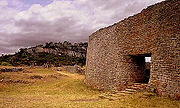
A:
(26, 23)
(25, 4)
(41, 2)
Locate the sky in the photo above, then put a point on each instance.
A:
(25, 23)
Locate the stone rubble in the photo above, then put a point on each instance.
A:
(11, 69)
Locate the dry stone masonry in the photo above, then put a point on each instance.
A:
(116, 54)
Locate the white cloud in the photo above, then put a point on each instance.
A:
(7, 18)
(72, 20)
(3, 3)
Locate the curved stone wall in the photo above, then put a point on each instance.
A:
(113, 51)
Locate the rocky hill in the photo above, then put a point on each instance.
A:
(51, 53)
(66, 48)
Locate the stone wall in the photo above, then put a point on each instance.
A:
(115, 53)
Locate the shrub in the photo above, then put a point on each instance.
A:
(5, 64)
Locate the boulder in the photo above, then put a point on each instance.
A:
(74, 69)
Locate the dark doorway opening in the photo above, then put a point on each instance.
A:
(141, 67)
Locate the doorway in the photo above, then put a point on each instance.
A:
(141, 70)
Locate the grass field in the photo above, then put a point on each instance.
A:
(47, 88)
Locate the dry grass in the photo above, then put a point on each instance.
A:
(65, 90)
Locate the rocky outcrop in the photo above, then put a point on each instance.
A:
(49, 54)
(66, 48)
